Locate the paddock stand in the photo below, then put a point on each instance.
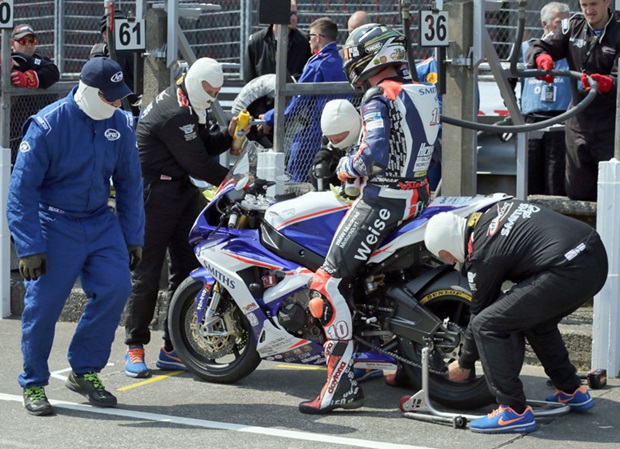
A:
(419, 406)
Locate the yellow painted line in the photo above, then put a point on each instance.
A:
(150, 381)
(306, 367)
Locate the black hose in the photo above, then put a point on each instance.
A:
(514, 57)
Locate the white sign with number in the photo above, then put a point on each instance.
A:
(129, 35)
(6, 14)
(434, 29)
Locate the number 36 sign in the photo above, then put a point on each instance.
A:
(434, 29)
(6, 14)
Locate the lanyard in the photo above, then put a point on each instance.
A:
(593, 44)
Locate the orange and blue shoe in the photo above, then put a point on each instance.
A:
(505, 420)
(134, 362)
(169, 361)
(579, 401)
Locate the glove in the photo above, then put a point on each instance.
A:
(343, 171)
(31, 267)
(135, 256)
(545, 62)
(605, 83)
(29, 78)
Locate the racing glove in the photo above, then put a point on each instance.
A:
(605, 83)
(31, 267)
(345, 171)
(29, 78)
(545, 62)
(135, 256)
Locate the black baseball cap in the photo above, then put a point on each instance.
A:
(106, 75)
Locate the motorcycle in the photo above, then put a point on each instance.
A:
(259, 244)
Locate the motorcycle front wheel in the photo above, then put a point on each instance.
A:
(454, 305)
(223, 350)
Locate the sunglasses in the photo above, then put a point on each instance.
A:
(315, 34)
(293, 13)
(24, 41)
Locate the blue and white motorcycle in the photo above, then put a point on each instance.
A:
(259, 252)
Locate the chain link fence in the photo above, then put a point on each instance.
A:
(67, 30)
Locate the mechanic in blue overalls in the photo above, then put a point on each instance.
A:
(63, 229)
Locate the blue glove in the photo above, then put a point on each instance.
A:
(345, 171)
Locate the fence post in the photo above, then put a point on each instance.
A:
(459, 144)
(5, 173)
(606, 321)
(156, 73)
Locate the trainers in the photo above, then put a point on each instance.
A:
(364, 375)
(579, 401)
(505, 420)
(90, 386)
(169, 361)
(134, 362)
(36, 402)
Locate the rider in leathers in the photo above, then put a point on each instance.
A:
(589, 134)
(400, 126)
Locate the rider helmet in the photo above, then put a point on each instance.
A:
(369, 49)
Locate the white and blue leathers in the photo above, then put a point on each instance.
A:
(57, 205)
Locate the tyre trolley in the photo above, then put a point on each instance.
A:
(419, 406)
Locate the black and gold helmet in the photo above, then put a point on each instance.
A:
(369, 49)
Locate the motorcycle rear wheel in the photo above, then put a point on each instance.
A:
(452, 304)
(224, 358)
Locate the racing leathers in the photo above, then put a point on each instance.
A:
(304, 111)
(556, 264)
(400, 125)
(173, 146)
(589, 134)
(58, 205)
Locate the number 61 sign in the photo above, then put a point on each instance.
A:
(6, 14)
(434, 29)
(129, 35)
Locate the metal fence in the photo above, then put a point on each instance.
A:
(68, 29)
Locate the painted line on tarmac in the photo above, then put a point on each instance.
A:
(150, 381)
(306, 367)
(206, 424)
(58, 373)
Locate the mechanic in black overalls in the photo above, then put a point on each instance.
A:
(556, 264)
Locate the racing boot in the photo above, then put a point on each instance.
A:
(341, 389)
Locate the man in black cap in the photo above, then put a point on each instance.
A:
(59, 218)
(30, 69)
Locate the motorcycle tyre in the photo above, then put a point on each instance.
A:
(184, 302)
(457, 395)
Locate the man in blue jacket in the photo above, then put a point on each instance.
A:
(63, 229)
(305, 111)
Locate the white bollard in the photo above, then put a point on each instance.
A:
(606, 322)
(5, 236)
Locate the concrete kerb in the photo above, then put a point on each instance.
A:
(576, 328)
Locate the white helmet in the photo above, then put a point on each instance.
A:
(339, 116)
(204, 69)
(446, 231)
